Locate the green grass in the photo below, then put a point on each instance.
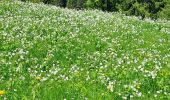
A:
(50, 53)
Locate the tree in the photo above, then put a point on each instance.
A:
(89, 4)
(71, 3)
(61, 3)
(143, 8)
(80, 4)
(112, 5)
(165, 13)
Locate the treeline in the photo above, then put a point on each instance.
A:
(144, 8)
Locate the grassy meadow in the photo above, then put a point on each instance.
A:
(51, 53)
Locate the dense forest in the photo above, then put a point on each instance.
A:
(144, 8)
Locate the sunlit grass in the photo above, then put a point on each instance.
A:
(50, 53)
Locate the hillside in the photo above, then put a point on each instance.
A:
(51, 53)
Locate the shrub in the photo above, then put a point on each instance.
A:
(80, 4)
(71, 3)
(165, 13)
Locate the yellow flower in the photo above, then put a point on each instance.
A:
(38, 78)
(2, 92)
(138, 86)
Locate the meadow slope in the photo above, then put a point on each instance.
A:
(51, 53)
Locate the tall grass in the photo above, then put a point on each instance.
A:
(50, 53)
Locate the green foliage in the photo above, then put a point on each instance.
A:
(144, 8)
(34, 1)
(51, 53)
(98, 4)
(61, 3)
(80, 4)
(89, 4)
(71, 3)
(165, 13)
